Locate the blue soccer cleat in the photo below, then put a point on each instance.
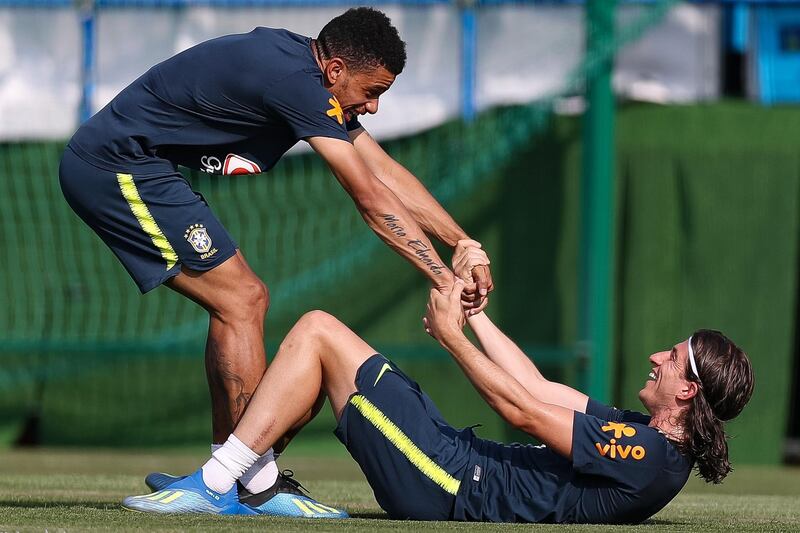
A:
(157, 481)
(287, 498)
(188, 495)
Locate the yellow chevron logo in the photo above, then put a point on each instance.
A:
(384, 368)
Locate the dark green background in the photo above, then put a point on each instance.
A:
(707, 211)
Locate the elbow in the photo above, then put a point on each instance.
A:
(361, 185)
(523, 421)
(366, 201)
(368, 198)
(515, 417)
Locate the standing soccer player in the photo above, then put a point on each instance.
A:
(235, 105)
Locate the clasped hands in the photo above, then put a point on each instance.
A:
(448, 306)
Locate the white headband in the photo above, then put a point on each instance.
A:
(692, 362)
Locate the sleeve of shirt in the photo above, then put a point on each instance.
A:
(630, 454)
(306, 107)
(353, 124)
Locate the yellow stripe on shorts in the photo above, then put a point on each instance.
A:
(406, 446)
(146, 220)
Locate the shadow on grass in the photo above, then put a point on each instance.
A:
(384, 516)
(83, 504)
(657, 522)
(102, 506)
(370, 515)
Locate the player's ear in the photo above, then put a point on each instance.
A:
(688, 391)
(334, 70)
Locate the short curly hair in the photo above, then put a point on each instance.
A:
(365, 39)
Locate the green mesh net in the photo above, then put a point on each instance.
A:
(89, 360)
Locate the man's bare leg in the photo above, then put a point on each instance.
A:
(237, 302)
(319, 355)
(280, 445)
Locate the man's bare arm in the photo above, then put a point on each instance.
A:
(508, 356)
(425, 209)
(381, 209)
(551, 424)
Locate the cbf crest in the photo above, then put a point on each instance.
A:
(198, 237)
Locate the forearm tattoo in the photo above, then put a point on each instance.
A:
(421, 250)
(393, 223)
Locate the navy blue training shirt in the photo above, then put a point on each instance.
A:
(230, 105)
(622, 471)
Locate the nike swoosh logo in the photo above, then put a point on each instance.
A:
(384, 368)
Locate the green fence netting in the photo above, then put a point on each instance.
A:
(86, 360)
(707, 211)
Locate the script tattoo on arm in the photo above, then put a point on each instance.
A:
(393, 223)
(421, 250)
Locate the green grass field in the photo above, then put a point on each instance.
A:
(80, 490)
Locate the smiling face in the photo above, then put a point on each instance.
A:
(357, 91)
(667, 386)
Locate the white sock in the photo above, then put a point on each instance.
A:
(227, 464)
(262, 475)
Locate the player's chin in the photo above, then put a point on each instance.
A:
(643, 395)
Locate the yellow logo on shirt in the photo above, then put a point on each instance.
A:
(335, 111)
(612, 449)
(619, 429)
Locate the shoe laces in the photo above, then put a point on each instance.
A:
(287, 476)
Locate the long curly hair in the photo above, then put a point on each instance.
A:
(725, 385)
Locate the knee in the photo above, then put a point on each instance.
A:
(253, 296)
(317, 322)
(309, 330)
(248, 301)
(318, 325)
(259, 294)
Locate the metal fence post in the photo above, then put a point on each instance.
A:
(597, 201)
(87, 11)
(469, 44)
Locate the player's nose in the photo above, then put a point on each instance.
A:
(372, 106)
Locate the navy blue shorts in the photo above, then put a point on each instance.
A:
(411, 457)
(153, 223)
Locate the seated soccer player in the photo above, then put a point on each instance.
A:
(599, 464)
